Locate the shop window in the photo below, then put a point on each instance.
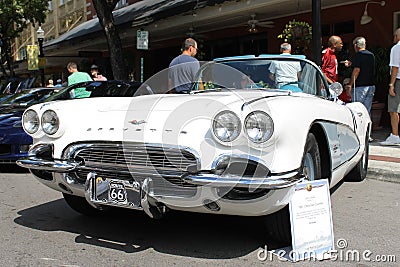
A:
(343, 27)
(22, 53)
(337, 28)
(396, 20)
(325, 30)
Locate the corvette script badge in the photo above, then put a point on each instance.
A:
(135, 122)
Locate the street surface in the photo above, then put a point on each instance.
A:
(39, 229)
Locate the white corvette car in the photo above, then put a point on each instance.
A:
(232, 145)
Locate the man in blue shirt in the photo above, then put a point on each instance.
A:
(183, 68)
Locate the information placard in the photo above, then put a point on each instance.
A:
(311, 221)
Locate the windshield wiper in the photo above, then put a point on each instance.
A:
(219, 89)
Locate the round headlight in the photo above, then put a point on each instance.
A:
(50, 122)
(226, 126)
(30, 121)
(259, 126)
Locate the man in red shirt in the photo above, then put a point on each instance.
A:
(329, 61)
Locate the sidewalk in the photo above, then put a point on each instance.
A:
(384, 161)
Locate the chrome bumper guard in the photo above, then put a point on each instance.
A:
(271, 182)
(35, 163)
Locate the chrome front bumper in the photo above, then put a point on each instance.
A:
(276, 181)
(270, 182)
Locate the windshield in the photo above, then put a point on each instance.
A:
(281, 72)
(109, 88)
(31, 97)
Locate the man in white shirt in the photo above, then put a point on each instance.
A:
(285, 72)
(394, 91)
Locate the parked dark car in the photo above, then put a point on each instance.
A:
(13, 86)
(27, 97)
(14, 142)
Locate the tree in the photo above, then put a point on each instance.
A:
(104, 10)
(14, 18)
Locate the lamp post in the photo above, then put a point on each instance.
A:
(40, 36)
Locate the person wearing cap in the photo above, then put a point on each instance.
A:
(59, 83)
(183, 68)
(94, 70)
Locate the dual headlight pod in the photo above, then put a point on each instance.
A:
(50, 122)
(30, 121)
(258, 126)
(226, 126)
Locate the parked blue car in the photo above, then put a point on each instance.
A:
(14, 142)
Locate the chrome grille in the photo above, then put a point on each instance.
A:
(124, 161)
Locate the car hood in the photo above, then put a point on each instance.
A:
(202, 101)
(8, 120)
(164, 102)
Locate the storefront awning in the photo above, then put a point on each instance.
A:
(140, 13)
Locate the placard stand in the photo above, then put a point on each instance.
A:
(311, 222)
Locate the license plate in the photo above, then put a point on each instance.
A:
(117, 192)
(114, 192)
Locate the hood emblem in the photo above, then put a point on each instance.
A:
(135, 122)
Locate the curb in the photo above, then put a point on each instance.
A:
(383, 175)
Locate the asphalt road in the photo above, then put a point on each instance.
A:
(38, 229)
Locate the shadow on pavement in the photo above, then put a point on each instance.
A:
(12, 168)
(184, 234)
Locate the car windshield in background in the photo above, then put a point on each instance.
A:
(28, 98)
(283, 72)
(95, 89)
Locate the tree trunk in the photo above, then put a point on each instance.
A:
(9, 59)
(104, 10)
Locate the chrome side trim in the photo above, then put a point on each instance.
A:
(270, 182)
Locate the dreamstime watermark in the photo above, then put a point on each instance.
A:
(341, 253)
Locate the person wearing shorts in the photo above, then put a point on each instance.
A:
(394, 91)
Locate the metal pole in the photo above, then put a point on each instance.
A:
(40, 36)
(41, 56)
(316, 32)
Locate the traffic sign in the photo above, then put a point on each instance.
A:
(142, 41)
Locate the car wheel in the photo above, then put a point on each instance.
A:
(311, 159)
(359, 172)
(278, 223)
(79, 204)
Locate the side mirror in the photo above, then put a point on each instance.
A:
(335, 89)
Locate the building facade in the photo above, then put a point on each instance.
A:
(222, 28)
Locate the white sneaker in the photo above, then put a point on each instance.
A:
(391, 140)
